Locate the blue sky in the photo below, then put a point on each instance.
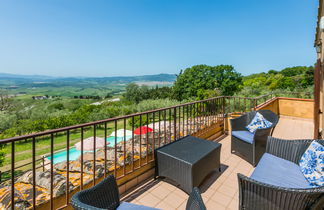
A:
(136, 37)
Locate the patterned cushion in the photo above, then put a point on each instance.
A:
(312, 164)
(258, 122)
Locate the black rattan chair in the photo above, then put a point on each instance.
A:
(105, 195)
(254, 194)
(195, 202)
(253, 149)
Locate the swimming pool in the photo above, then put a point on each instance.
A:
(111, 140)
(74, 153)
(61, 156)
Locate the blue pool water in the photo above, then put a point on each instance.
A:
(74, 153)
(111, 140)
(61, 156)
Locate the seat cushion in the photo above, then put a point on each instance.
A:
(258, 122)
(312, 164)
(244, 135)
(279, 172)
(132, 206)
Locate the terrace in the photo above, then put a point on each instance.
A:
(219, 190)
(132, 160)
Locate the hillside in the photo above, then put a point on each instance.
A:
(16, 78)
(75, 86)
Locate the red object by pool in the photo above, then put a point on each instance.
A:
(142, 130)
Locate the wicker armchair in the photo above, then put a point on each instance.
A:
(195, 202)
(254, 194)
(252, 147)
(105, 195)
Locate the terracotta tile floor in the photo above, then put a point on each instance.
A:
(219, 189)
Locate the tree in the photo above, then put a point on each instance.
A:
(272, 72)
(136, 93)
(133, 93)
(292, 78)
(193, 81)
(5, 101)
(204, 94)
(109, 95)
(57, 106)
(293, 71)
(159, 92)
(308, 77)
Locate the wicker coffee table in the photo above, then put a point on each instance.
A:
(187, 161)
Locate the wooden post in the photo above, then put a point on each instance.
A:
(255, 103)
(317, 76)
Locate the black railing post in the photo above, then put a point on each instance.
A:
(124, 149)
(13, 175)
(133, 143)
(43, 163)
(81, 160)
(68, 166)
(94, 153)
(105, 152)
(34, 172)
(175, 122)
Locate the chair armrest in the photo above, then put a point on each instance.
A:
(104, 195)
(291, 150)
(261, 135)
(257, 195)
(262, 132)
(75, 202)
(239, 123)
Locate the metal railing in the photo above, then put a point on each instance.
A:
(127, 153)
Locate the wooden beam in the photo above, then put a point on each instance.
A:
(317, 76)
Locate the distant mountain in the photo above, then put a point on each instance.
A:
(18, 76)
(15, 79)
(155, 77)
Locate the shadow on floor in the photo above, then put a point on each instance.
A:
(142, 189)
(211, 178)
